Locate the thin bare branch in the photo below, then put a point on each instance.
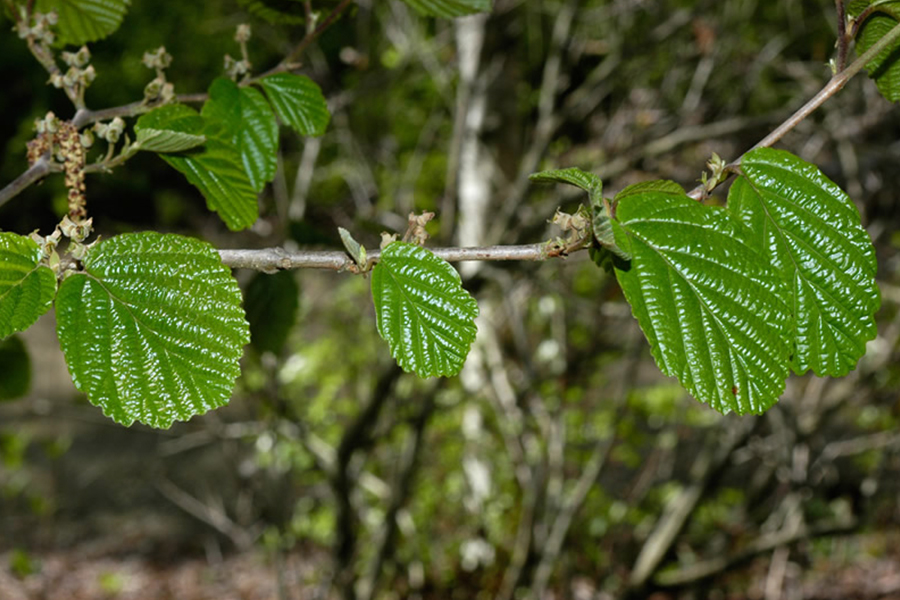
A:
(834, 85)
(843, 41)
(766, 543)
(290, 61)
(679, 509)
(35, 172)
(276, 259)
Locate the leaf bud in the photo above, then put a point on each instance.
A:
(157, 59)
(49, 124)
(242, 35)
(153, 89)
(72, 76)
(118, 123)
(87, 138)
(101, 129)
(88, 75)
(82, 57)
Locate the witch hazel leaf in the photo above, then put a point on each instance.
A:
(163, 140)
(810, 232)
(258, 137)
(711, 308)
(27, 287)
(216, 168)
(83, 21)
(588, 182)
(249, 121)
(422, 310)
(298, 102)
(153, 329)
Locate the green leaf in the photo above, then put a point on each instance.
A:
(83, 21)
(710, 306)
(153, 329)
(162, 140)
(422, 310)
(588, 182)
(297, 101)
(810, 231)
(249, 119)
(15, 369)
(271, 302)
(258, 138)
(449, 8)
(27, 287)
(216, 169)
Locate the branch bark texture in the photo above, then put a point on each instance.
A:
(275, 259)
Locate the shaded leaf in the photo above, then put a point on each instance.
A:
(588, 182)
(258, 138)
(709, 305)
(27, 287)
(249, 119)
(83, 21)
(298, 102)
(422, 310)
(449, 8)
(810, 231)
(15, 369)
(162, 140)
(216, 168)
(271, 302)
(153, 329)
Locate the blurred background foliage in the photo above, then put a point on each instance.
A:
(560, 463)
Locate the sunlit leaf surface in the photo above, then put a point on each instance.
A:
(810, 231)
(251, 125)
(27, 288)
(710, 307)
(153, 330)
(422, 310)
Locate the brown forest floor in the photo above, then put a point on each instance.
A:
(70, 575)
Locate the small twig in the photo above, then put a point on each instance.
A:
(357, 438)
(679, 509)
(766, 543)
(290, 61)
(834, 85)
(408, 462)
(212, 516)
(843, 42)
(547, 123)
